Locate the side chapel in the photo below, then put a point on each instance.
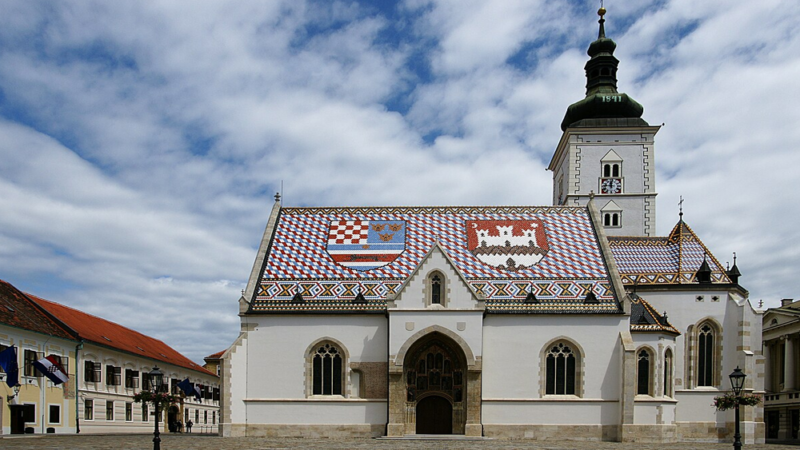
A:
(570, 321)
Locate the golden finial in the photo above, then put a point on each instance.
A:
(602, 11)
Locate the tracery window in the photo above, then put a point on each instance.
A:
(643, 373)
(436, 289)
(706, 339)
(560, 372)
(327, 370)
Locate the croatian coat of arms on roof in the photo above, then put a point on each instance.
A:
(511, 245)
(366, 244)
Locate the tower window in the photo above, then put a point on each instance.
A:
(612, 219)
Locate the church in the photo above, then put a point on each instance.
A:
(566, 321)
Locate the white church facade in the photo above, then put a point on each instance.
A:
(569, 321)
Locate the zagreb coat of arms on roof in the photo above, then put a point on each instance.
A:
(511, 245)
(366, 244)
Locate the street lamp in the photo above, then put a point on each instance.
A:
(156, 379)
(737, 383)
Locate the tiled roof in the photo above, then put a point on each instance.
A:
(217, 355)
(330, 255)
(669, 260)
(109, 334)
(645, 318)
(17, 310)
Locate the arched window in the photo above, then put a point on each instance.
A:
(615, 170)
(327, 372)
(706, 358)
(611, 220)
(643, 360)
(561, 362)
(668, 373)
(436, 289)
(606, 170)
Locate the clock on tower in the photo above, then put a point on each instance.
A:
(610, 185)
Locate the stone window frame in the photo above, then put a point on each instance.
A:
(651, 369)
(608, 219)
(311, 350)
(668, 373)
(580, 368)
(693, 363)
(444, 289)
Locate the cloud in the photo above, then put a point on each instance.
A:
(143, 142)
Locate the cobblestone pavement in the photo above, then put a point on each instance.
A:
(208, 442)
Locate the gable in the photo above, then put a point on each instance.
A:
(455, 294)
(331, 255)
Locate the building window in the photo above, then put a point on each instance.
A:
(196, 416)
(205, 417)
(129, 412)
(436, 289)
(145, 415)
(611, 170)
(131, 378)
(91, 371)
(643, 373)
(30, 358)
(612, 219)
(113, 375)
(2, 348)
(706, 341)
(327, 370)
(88, 409)
(54, 415)
(213, 417)
(561, 366)
(668, 373)
(109, 410)
(186, 415)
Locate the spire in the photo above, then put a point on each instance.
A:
(733, 272)
(603, 105)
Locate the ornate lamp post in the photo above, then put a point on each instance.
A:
(737, 383)
(156, 380)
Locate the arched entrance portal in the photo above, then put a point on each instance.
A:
(434, 415)
(435, 385)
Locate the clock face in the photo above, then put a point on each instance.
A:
(610, 186)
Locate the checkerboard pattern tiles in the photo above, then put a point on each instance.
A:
(298, 255)
(349, 232)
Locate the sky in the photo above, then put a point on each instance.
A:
(141, 143)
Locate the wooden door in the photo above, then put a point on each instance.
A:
(434, 415)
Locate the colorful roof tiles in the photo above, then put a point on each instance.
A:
(644, 318)
(669, 260)
(331, 255)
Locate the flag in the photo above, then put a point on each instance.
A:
(197, 395)
(8, 361)
(52, 369)
(186, 387)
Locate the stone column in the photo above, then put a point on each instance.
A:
(768, 361)
(788, 367)
(473, 426)
(628, 391)
(397, 400)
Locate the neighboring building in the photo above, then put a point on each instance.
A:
(213, 363)
(40, 406)
(782, 374)
(508, 322)
(113, 365)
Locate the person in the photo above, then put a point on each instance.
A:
(179, 425)
(189, 424)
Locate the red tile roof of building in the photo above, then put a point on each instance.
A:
(217, 355)
(109, 334)
(18, 310)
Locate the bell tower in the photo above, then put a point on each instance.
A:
(607, 150)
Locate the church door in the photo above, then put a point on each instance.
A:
(434, 416)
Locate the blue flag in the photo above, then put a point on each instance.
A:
(8, 361)
(186, 387)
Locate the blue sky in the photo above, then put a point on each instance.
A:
(142, 142)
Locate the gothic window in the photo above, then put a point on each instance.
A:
(561, 367)
(436, 289)
(668, 373)
(327, 369)
(643, 360)
(435, 286)
(705, 355)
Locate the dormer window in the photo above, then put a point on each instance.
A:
(612, 215)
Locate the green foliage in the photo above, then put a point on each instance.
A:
(729, 401)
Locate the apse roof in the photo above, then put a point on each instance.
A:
(644, 318)
(331, 255)
(669, 260)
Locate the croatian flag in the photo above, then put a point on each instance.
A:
(52, 369)
(8, 361)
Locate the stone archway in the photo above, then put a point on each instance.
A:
(435, 363)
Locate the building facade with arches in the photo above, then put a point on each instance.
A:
(568, 321)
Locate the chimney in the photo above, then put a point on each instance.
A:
(786, 302)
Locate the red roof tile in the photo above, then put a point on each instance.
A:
(17, 310)
(109, 334)
(217, 355)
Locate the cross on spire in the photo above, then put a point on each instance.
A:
(680, 207)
